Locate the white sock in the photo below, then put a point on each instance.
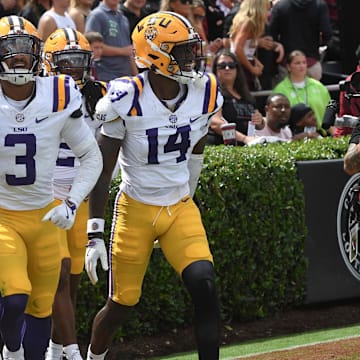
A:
(68, 349)
(54, 349)
(91, 356)
(19, 354)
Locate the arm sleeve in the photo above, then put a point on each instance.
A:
(83, 144)
(194, 165)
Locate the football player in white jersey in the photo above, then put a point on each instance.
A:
(36, 113)
(160, 121)
(66, 51)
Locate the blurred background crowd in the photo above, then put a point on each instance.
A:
(297, 48)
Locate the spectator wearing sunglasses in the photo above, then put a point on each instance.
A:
(239, 104)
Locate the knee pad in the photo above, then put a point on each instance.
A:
(41, 306)
(199, 279)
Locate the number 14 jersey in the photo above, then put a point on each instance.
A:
(156, 141)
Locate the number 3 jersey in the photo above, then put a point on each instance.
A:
(30, 139)
(156, 141)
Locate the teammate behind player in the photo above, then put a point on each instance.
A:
(36, 113)
(160, 121)
(66, 51)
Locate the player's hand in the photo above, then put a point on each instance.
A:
(95, 250)
(62, 215)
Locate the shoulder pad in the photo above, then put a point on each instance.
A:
(130, 88)
(61, 92)
(211, 94)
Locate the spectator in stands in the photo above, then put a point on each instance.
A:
(56, 17)
(349, 105)
(79, 10)
(302, 25)
(10, 7)
(33, 10)
(134, 10)
(152, 6)
(182, 7)
(247, 27)
(214, 22)
(303, 123)
(277, 110)
(187, 8)
(269, 53)
(198, 14)
(96, 42)
(239, 104)
(300, 88)
(225, 6)
(117, 59)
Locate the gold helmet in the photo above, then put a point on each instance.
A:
(19, 36)
(166, 43)
(67, 51)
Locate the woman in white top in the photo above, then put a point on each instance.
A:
(55, 18)
(247, 27)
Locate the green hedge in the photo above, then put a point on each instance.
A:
(252, 207)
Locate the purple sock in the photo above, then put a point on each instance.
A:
(37, 336)
(12, 320)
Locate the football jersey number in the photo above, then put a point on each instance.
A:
(182, 132)
(68, 161)
(26, 160)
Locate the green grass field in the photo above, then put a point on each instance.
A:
(279, 343)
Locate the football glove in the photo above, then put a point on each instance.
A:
(95, 250)
(62, 215)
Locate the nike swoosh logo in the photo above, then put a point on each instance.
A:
(194, 119)
(40, 120)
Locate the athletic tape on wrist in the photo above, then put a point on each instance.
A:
(95, 225)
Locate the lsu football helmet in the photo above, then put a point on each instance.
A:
(67, 51)
(166, 43)
(19, 37)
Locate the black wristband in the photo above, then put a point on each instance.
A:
(94, 235)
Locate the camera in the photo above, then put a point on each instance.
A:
(351, 87)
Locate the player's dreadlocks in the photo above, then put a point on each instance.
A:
(93, 91)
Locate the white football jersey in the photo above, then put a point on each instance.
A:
(157, 142)
(67, 163)
(30, 140)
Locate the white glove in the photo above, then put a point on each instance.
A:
(62, 215)
(95, 249)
